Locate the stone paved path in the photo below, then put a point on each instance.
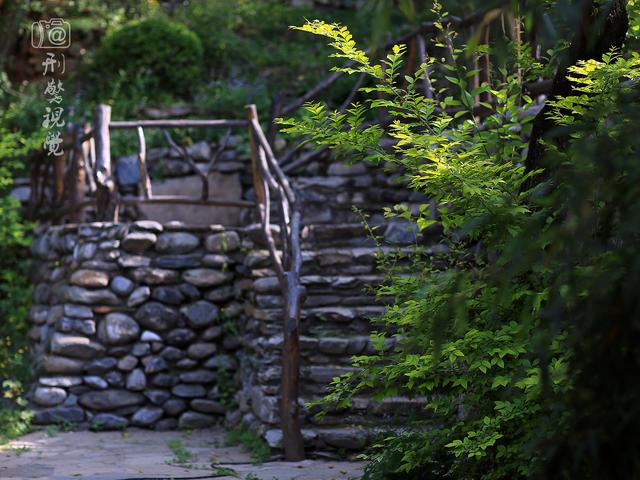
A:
(139, 454)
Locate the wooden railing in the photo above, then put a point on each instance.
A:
(91, 171)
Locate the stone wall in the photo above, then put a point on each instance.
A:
(161, 325)
(136, 324)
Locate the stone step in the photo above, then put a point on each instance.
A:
(352, 234)
(354, 260)
(338, 347)
(323, 300)
(335, 314)
(317, 284)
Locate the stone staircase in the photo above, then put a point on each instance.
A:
(340, 272)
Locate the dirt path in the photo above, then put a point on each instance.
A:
(139, 454)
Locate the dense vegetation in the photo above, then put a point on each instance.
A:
(521, 338)
(15, 291)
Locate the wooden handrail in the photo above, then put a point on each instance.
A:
(178, 124)
(268, 176)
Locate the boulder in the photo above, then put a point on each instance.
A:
(172, 354)
(136, 380)
(101, 365)
(154, 364)
(133, 261)
(149, 336)
(164, 380)
(96, 382)
(150, 225)
(178, 261)
(122, 285)
(90, 297)
(177, 242)
(223, 361)
(220, 295)
(154, 276)
(206, 277)
(201, 350)
(222, 242)
(180, 336)
(212, 333)
(127, 363)
(198, 376)
(77, 311)
(62, 365)
(112, 399)
(188, 391)
(157, 397)
(89, 278)
(139, 296)
(118, 329)
(75, 346)
(196, 420)
(201, 314)
(108, 421)
(207, 406)
(146, 416)
(167, 424)
(55, 415)
(49, 396)
(168, 295)
(138, 242)
(64, 381)
(158, 317)
(174, 407)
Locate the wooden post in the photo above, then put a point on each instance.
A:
(142, 164)
(78, 178)
(258, 183)
(107, 194)
(292, 440)
(59, 164)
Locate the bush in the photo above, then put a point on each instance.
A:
(250, 42)
(524, 346)
(155, 55)
(15, 291)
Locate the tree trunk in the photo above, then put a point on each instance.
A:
(597, 33)
(11, 13)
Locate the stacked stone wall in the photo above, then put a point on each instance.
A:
(136, 324)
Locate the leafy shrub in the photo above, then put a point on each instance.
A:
(153, 55)
(530, 275)
(17, 138)
(250, 442)
(249, 43)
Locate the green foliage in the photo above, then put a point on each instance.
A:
(14, 423)
(182, 456)
(487, 332)
(251, 54)
(250, 442)
(156, 56)
(15, 289)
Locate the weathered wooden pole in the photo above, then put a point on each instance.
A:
(107, 194)
(292, 440)
(145, 182)
(79, 177)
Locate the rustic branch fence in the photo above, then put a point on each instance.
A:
(90, 171)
